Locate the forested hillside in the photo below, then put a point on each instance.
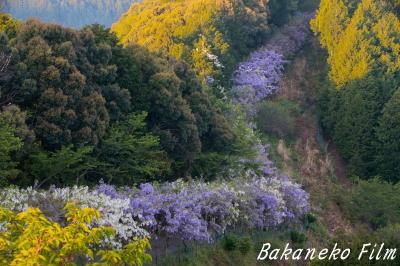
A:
(358, 107)
(358, 103)
(211, 35)
(68, 13)
(80, 94)
(191, 132)
(78, 108)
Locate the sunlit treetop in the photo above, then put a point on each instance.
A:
(207, 33)
(361, 36)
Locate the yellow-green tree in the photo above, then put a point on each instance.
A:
(331, 20)
(363, 42)
(29, 238)
(360, 36)
(209, 34)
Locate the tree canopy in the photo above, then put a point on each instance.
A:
(360, 35)
(209, 34)
(80, 88)
(363, 42)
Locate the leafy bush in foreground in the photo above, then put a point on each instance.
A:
(29, 238)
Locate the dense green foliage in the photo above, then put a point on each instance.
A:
(211, 35)
(9, 143)
(131, 154)
(76, 94)
(351, 116)
(373, 202)
(281, 9)
(363, 41)
(389, 236)
(388, 135)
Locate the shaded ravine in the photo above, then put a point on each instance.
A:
(319, 166)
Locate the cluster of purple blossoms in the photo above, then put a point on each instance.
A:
(190, 211)
(255, 80)
(258, 77)
(197, 210)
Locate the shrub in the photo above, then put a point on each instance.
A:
(309, 219)
(374, 202)
(30, 238)
(230, 242)
(277, 118)
(245, 245)
(298, 237)
(190, 211)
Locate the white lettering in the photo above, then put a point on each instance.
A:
(297, 254)
(264, 250)
(274, 254)
(363, 250)
(312, 251)
(345, 254)
(286, 253)
(390, 254)
(335, 252)
(322, 254)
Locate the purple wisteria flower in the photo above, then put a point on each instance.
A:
(195, 211)
(258, 77)
(262, 72)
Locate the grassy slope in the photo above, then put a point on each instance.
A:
(310, 159)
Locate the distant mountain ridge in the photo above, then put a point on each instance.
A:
(70, 13)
